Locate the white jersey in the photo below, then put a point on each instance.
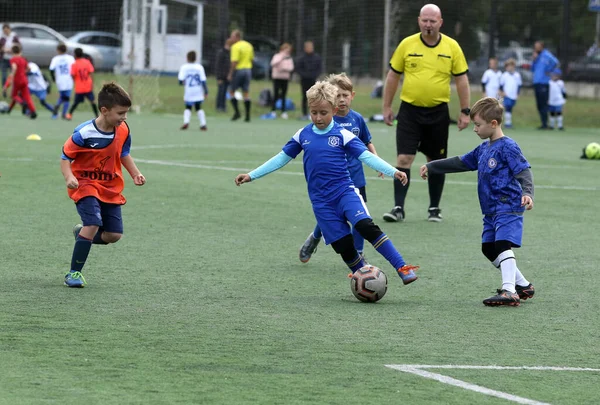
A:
(510, 83)
(491, 80)
(557, 90)
(61, 65)
(192, 75)
(35, 78)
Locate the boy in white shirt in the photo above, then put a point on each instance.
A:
(490, 81)
(193, 78)
(510, 86)
(556, 99)
(38, 85)
(60, 70)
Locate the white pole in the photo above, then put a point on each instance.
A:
(325, 34)
(598, 29)
(386, 36)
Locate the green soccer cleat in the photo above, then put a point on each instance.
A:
(76, 229)
(74, 279)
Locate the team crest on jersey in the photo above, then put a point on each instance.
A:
(333, 141)
(356, 131)
(492, 163)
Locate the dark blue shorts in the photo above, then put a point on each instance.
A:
(509, 103)
(65, 95)
(241, 80)
(95, 212)
(333, 217)
(503, 227)
(80, 97)
(555, 109)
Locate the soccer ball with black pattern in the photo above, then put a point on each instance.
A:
(368, 284)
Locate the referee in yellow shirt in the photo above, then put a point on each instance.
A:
(428, 61)
(240, 72)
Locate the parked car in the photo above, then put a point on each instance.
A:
(39, 43)
(264, 49)
(524, 58)
(585, 69)
(107, 43)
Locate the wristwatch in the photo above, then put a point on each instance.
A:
(466, 111)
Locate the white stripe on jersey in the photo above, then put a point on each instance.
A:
(347, 136)
(61, 65)
(192, 75)
(90, 131)
(35, 78)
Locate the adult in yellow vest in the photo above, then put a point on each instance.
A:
(240, 72)
(428, 60)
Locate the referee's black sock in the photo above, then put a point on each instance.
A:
(436, 186)
(234, 103)
(400, 190)
(247, 108)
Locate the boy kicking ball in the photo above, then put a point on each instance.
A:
(505, 187)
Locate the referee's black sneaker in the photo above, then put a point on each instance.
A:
(435, 214)
(395, 215)
(525, 292)
(503, 298)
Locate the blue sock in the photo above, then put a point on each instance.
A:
(80, 253)
(359, 241)
(356, 263)
(58, 103)
(387, 249)
(65, 108)
(317, 232)
(48, 106)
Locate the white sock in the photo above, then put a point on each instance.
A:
(551, 120)
(560, 121)
(187, 114)
(507, 118)
(202, 118)
(508, 267)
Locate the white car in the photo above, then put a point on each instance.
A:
(107, 43)
(39, 43)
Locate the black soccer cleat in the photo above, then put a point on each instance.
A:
(395, 215)
(236, 117)
(503, 298)
(525, 292)
(435, 214)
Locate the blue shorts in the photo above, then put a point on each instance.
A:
(65, 95)
(509, 103)
(241, 80)
(95, 212)
(40, 94)
(555, 109)
(503, 227)
(80, 97)
(333, 217)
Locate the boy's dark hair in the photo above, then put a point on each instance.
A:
(191, 56)
(16, 49)
(62, 48)
(488, 109)
(5, 25)
(112, 95)
(78, 53)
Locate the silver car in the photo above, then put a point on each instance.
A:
(39, 43)
(107, 43)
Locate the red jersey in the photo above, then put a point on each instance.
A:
(80, 70)
(97, 167)
(20, 77)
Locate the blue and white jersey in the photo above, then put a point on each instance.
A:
(491, 81)
(35, 78)
(192, 75)
(87, 135)
(511, 83)
(61, 65)
(556, 95)
(325, 164)
(355, 123)
(497, 163)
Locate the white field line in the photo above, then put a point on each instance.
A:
(461, 367)
(465, 385)
(245, 170)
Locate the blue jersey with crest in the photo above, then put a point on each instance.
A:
(497, 163)
(355, 123)
(325, 163)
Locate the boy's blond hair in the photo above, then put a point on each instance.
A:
(510, 61)
(322, 91)
(341, 81)
(488, 109)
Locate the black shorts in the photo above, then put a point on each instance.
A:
(423, 129)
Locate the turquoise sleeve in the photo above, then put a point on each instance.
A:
(275, 163)
(376, 163)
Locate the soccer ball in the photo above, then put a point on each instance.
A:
(3, 107)
(368, 284)
(592, 151)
